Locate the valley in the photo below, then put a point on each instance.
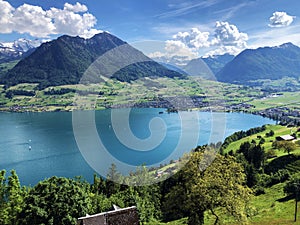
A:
(204, 95)
(252, 172)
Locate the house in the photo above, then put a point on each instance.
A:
(119, 216)
(285, 138)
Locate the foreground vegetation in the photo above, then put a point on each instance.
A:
(189, 193)
(244, 184)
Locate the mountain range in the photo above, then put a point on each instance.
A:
(207, 67)
(10, 51)
(263, 63)
(250, 65)
(65, 60)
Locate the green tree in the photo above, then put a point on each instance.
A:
(220, 185)
(286, 146)
(56, 201)
(143, 194)
(12, 198)
(15, 196)
(293, 186)
(2, 187)
(270, 134)
(3, 198)
(254, 154)
(114, 178)
(99, 185)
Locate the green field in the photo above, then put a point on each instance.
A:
(218, 95)
(278, 130)
(287, 99)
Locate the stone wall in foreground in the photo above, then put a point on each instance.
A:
(126, 216)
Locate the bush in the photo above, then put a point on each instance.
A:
(262, 141)
(279, 177)
(271, 154)
(270, 134)
(259, 191)
(293, 186)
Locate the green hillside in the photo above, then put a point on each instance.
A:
(263, 63)
(278, 131)
(64, 61)
(269, 205)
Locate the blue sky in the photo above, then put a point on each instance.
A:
(190, 28)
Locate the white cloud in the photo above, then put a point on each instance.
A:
(232, 50)
(68, 22)
(174, 48)
(176, 52)
(183, 47)
(5, 17)
(281, 19)
(33, 20)
(71, 20)
(187, 45)
(186, 8)
(228, 35)
(75, 8)
(193, 39)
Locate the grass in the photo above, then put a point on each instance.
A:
(286, 99)
(271, 208)
(4, 67)
(278, 130)
(142, 90)
(147, 89)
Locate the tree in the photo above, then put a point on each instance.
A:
(254, 154)
(15, 196)
(2, 187)
(221, 185)
(262, 141)
(3, 198)
(56, 201)
(12, 198)
(270, 134)
(142, 193)
(286, 146)
(114, 178)
(292, 187)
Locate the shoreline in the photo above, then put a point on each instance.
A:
(282, 115)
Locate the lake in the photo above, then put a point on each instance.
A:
(40, 145)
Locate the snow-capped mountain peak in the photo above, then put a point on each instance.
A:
(14, 50)
(20, 45)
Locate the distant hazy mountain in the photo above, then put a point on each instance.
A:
(172, 67)
(217, 62)
(197, 67)
(64, 61)
(177, 61)
(207, 67)
(10, 51)
(262, 63)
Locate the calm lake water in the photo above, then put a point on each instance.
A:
(40, 145)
